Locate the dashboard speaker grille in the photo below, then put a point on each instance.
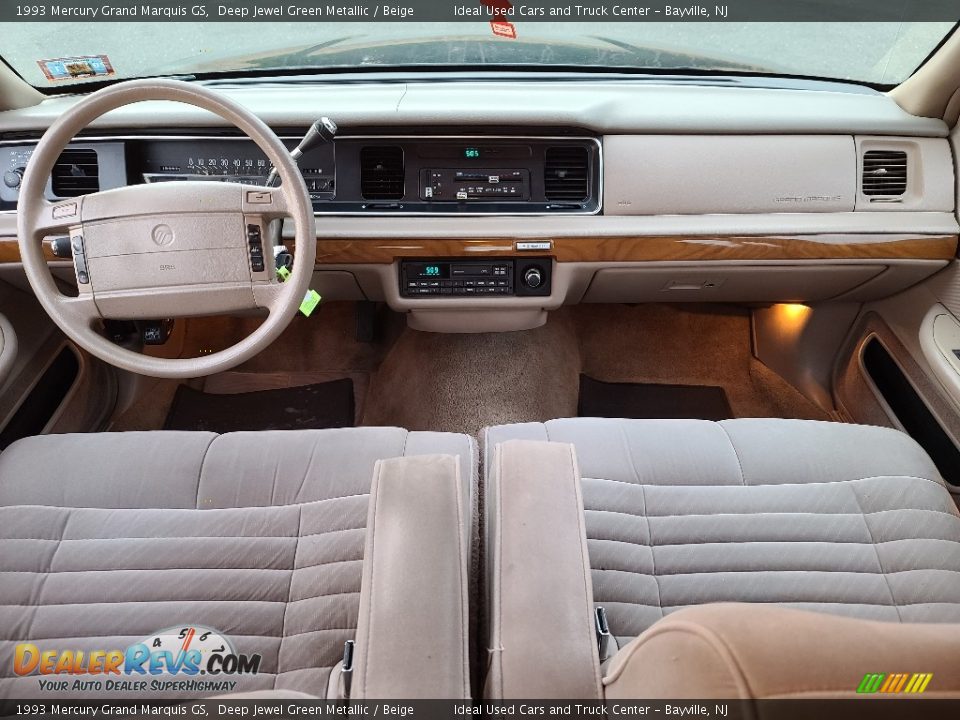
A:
(76, 173)
(381, 172)
(884, 172)
(565, 174)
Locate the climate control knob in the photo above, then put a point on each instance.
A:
(533, 278)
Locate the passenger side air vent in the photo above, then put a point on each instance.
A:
(565, 174)
(381, 172)
(884, 173)
(76, 173)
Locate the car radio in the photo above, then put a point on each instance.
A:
(457, 185)
(475, 278)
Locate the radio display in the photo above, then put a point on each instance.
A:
(428, 271)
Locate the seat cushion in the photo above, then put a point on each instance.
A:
(846, 519)
(106, 539)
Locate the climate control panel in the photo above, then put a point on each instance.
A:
(475, 278)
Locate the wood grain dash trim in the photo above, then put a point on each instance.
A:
(627, 249)
(10, 251)
(654, 248)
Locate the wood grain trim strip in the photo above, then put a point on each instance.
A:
(655, 248)
(628, 249)
(10, 251)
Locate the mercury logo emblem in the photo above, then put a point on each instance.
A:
(162, 235)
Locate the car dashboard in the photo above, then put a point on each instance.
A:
(543, 193)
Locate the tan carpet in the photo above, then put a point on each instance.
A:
(149, 409)
(323, 342)
(462, 383)
(316, 349)
(430, 381)
(685, 345)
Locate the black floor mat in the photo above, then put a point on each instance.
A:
(647, 400)
(323, 405)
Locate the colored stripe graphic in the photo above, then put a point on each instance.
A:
(923, 679)
(894, 683)
(871, 682)
(889, 682)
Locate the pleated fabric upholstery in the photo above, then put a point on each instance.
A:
(844, 519)
(106, 539)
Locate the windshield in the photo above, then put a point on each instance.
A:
(58, 54)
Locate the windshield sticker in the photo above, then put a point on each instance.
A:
(499, 24)
(502, 28)
(76, 68)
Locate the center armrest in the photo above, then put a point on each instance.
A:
(541, 642)
(412, 636)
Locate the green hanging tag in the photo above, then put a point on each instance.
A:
(283, 273)
(310, 302)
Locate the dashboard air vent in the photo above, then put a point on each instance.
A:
(884, 172)
(565, 174)
(76, 173)
(381, 172)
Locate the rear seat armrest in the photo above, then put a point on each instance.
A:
(412, 634)
(541, 642)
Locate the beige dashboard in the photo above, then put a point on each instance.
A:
(769, 196)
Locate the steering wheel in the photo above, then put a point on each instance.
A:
(170, 249)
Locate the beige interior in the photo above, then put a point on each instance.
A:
(412, 640)
(744, 652)
(785, 551)
(805, 515)
(202, 259)
(8, 349)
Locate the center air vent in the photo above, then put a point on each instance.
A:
(565, 174)
(76, 173)
(884, 172)
(381, 172)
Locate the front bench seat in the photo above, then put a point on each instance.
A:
(108, 538)
(817, 516)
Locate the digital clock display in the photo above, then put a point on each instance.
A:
(471, 153)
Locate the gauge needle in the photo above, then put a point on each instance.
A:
(187, 639)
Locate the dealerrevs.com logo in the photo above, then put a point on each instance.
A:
(155, 664)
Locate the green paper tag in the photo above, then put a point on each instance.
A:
(283, 273)
(310, 302)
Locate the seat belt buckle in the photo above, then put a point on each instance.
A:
(346, 668)
(602, 628)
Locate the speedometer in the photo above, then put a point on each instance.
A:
(228, 160)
